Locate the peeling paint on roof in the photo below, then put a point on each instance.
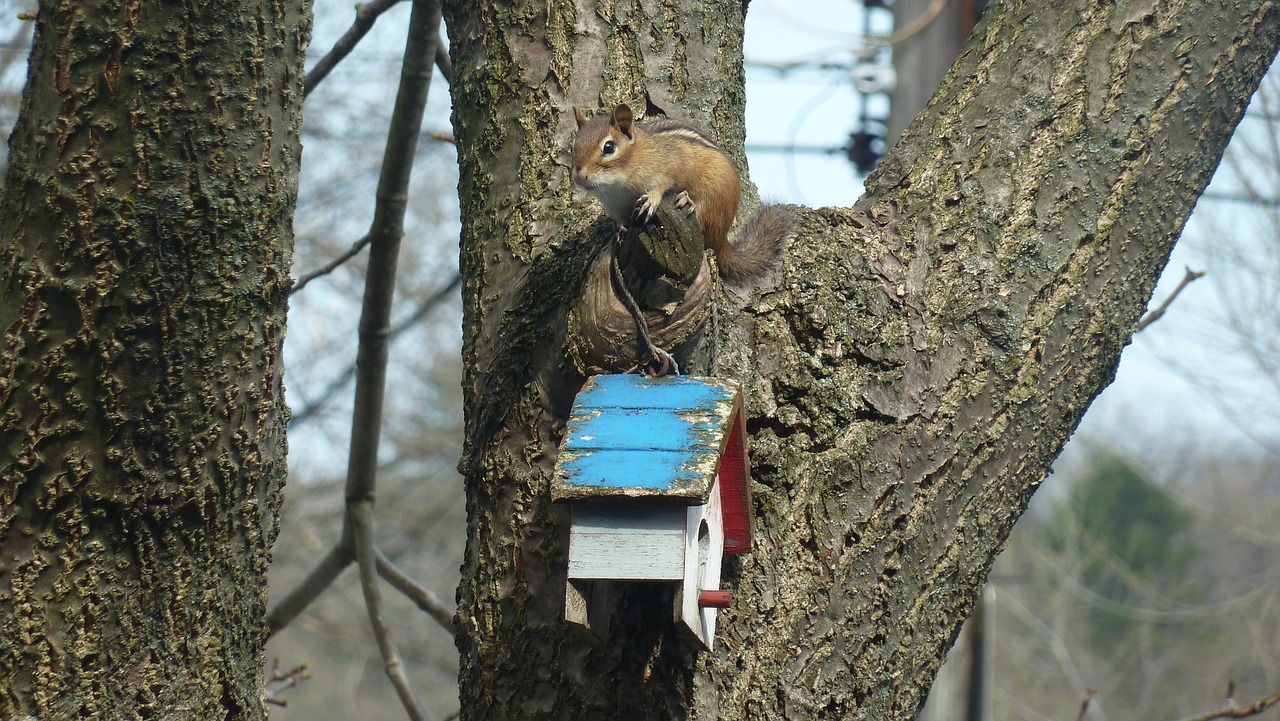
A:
(633, 436)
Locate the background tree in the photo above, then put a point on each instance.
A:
(1177, 640)
(1127, 537)
(145, 240)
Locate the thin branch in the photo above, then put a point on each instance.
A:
(384, 239)
(1156, 314)
(366, 15)
(361, 514)
(443, 63)
(375, 319)
(278, 682)
(1233, 711)
(1089, 693)
(332, 265)
(426, 600)
(338, 383)
(320, 578)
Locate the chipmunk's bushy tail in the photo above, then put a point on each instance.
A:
(755, 248)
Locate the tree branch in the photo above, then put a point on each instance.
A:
(443, 63)
(331, 266)
(384, 238)
(1233, 711)
(324, 573)
(1158, 313)
(366, 15)
(340, 382)
(419, 594)
(379, 291)
(360, 513)
(1089, 693)
(277, 682)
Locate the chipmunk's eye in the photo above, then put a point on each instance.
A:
(610, 148)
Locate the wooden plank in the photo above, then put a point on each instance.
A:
(695, 428)
(636, 391)
(608, 541)
(676, 475)
(633, 436)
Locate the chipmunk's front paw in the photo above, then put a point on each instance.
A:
(642, 214)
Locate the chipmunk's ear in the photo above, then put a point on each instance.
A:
(621, 119)
(579, 117)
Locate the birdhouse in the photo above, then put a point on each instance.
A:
(656, 472)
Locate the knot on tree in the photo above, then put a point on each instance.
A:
(665, 268)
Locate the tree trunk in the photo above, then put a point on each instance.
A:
(146, 239)
(911, 373)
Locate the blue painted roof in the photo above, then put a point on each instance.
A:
(629, 435)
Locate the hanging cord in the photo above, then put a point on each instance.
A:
(654, 361)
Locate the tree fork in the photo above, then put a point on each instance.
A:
(909, 379)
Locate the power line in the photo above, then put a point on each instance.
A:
(1246, 199)
(784, 148)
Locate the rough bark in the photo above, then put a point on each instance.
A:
(911, 373)
(145, 238)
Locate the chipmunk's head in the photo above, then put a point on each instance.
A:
(602, 148)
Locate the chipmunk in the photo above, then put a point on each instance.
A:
(631, 166)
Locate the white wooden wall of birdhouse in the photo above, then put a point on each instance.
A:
(703, 554)
(616, 542)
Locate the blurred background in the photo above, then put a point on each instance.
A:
(1146, 573)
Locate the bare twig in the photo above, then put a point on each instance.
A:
(366, 15)
(361, 514)
(1089, 693)
(306, 412)
(424, 598)
(1233, 711)
(1156, 314)
(279, 682)
(331, 266)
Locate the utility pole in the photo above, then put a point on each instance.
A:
(927, 37)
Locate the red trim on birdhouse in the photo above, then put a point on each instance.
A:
(735, 494)
(715, 599)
